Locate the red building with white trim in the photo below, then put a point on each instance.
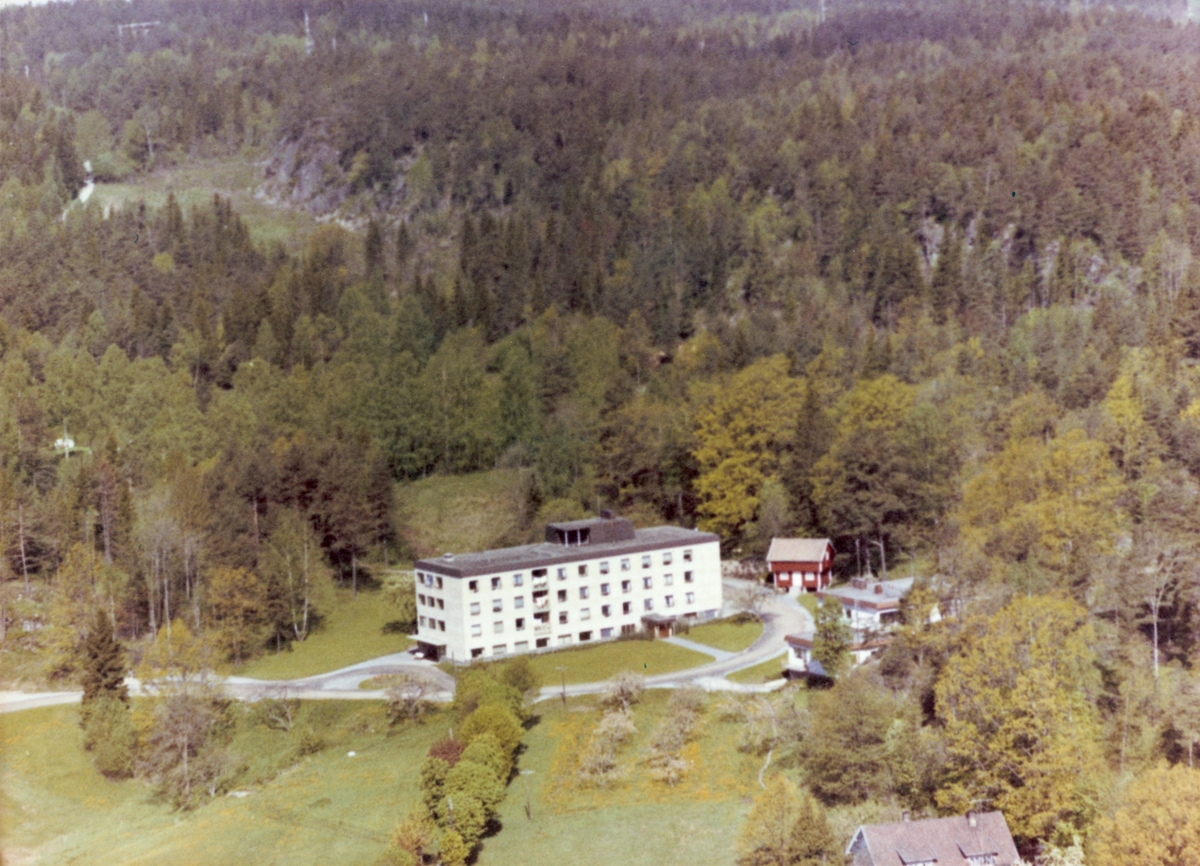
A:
(801, 564)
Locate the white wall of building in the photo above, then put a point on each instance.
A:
(493, 615)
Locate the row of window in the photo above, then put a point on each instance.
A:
(518, 579)
(522, 646)
(584, 593)
(585, 613)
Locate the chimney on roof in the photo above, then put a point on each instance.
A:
(879, 589)
(606, 514)
(972, 821)
(447, 556)
(904, 815)
(858, 582)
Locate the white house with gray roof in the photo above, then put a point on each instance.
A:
(590, 580)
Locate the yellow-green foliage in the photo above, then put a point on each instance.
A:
(1157, 825)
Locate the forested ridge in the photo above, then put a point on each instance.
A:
(918, 277)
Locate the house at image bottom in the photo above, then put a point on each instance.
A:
(871, 609)
(801, 564)
(590, 580)
(975, 839)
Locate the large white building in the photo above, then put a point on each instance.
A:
(590, 580)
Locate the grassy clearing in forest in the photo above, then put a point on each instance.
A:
(726, 635)
(194, 185)
(327, 808)
(458, 513)
(352, 632)
(771, 669)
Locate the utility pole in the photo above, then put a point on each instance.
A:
(528, 803)
(562, 669)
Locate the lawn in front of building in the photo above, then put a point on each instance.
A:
(726, 634)
(602, 661)
(763, 672)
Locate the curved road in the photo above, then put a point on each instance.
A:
(781, 616)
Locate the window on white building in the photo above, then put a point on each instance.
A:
(583, 571)
(476, 652)
(687, 556)
(499, 649)
(498, 627)
(420, 598)
(441, 604)
(439, 583)
(648, 604)
(604, 568)
(585, 636)
(473, 585)
(497, 605)
(668, 580)
(606, 610)
(606, 632)
(519, 624)
(519, 602)
(495, 583)
(474, 608)
(670, 600)
(646, 561)
(562, 574)
(687, 577)
(476, 630)
(562, 595)
(691, 598)
(518, 580)
(521, 646)
(627, 607)
(624, 565)
(667, 558)
(562, 617)
(604, 589)
(583, 592)
(585, 613)
(422, 622)
(441, 625)
(647, 582)
(626, 586)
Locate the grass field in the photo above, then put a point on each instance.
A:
(195, 183)
(731, 636)
(352, 632)
(602, 661)
(332, 808)
(635, 821)
(457, 513)
(328, 808)
(771, 669)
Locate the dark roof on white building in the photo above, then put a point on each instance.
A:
(606, 537)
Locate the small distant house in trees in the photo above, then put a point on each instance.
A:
(974, 839)
(801, 564)
(872, 610)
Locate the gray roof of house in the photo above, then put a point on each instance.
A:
(893, 591)
(798, 549)
(544, 555)
(942, 840)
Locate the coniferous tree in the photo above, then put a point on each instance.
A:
(104, 663)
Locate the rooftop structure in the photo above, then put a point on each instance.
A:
(974, 839)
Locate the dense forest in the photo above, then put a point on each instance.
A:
(918, 277)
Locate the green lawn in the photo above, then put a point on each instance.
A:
(328, 808)
(351, 633)
(771, 669)
(726, 635)
(809, 601)
(195, 183)
(635, 821)
(605, 660)
(459, 513)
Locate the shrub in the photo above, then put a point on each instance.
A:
(109, 734)
(623, 690)
(447, 750)
(309, 743)
(487, 751)
(496, 720)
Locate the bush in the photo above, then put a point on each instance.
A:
(519, 674)
(495, 720)
(623, 690)
(309, 743)
(447, 750)
(477, 687)
(487, 751)
(109, 734)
